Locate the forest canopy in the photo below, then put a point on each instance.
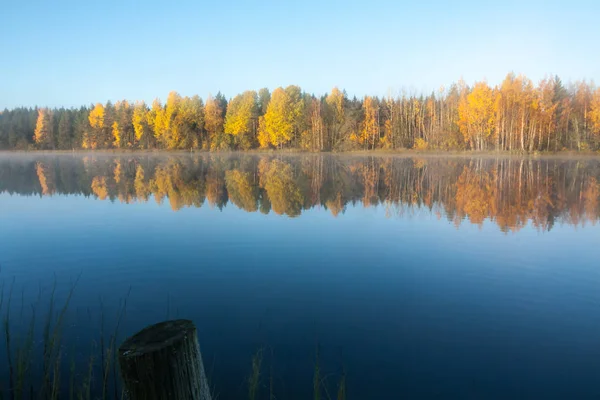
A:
(516, 115)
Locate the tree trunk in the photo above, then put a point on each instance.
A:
(163, 361)
(523, 132)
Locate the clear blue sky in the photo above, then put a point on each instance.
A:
(70, 53)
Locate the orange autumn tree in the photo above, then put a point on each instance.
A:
(43, 129)
(546, 112)
(476, 116)
(370, 125)
(335, 114)
(594, 114)
(213, 123)
(92, 139)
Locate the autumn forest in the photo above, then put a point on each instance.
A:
(516, 116)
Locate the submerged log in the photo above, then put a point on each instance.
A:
(163, 361)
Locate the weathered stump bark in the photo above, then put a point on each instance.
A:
(163, 361)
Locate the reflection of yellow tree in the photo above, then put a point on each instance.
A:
(162, 183)
(124, 184)
(46, 179)
(368, 172)
(242, 191)
(591, 199)
(169, 182)
(100, 187)
(278, 180)
(118, 172)
(538, 208)
(142, 189)
(312, 169)
(474, 194)
(190, 194)
(336, 205)
(215, 190)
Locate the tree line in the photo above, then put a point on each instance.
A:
(509, 192)
(516, 116)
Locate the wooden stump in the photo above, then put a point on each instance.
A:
(163, 361)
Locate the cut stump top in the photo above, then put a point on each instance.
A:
(157, 337)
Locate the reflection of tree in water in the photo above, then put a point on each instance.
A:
(511, 192)
(368, 175)
(591, 200)
(141, 185)
(242, 189)
(175, 183)
(99, 187)
(336, 205)
(46, 178)
(475, 192)
(278, 180)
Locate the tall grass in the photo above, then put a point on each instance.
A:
(35, 353)
(271, 382)
(110, 353)
(317, 377)
(40, 366)
(254, 380)
(52, 344)
(85, 390)
(341, 394)
(20, 353)
(321, 383)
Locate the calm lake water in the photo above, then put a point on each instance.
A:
(418, 277)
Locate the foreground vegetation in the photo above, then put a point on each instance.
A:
(513, 116)
(40, 362)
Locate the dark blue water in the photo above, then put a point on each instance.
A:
(430, 277)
